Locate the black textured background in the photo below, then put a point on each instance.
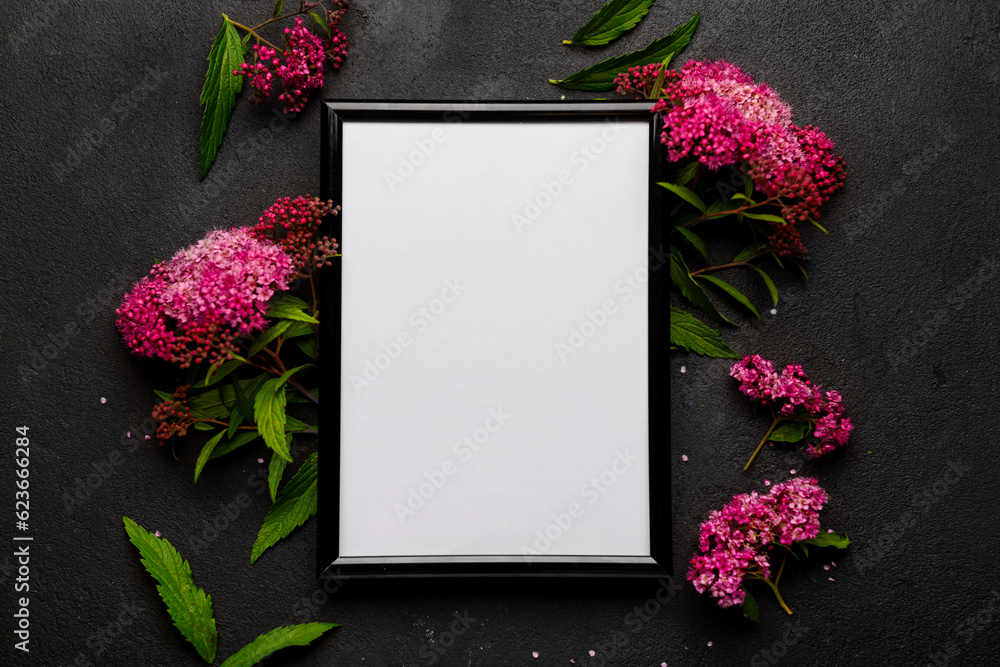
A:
(99, 143)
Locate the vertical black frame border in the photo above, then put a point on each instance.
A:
(330, 564)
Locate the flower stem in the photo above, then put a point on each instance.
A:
(774, 424)
(302, 390)
(253, 32)
(774, 584)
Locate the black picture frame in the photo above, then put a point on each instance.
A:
(331, 562)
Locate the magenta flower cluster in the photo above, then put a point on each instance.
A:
(300, 65)
(195, 306)
(716, 113)
(791, 395)
(735, 541)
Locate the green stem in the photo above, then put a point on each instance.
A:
(774, 424)
(253, 32)
(741, 209)
(774, 585)
(730, 265)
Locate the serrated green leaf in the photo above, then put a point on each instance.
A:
(696, 241)
(209, 404)
(217, 372)
(241, 401)
(750, 608)
(308, 347)
(269, 413)
(240, 440)
(296, 503)
(731, 291)
(298, 329)
(249, 388)
(767, 217)
(790, 432)
(685, 174)
(290, 311)
(321, 22)
(203, 426)
(268, 335)
(690, 290)
(206, 453)
(218, 95)
(767, 281)
(602, 75)
(746, 253)
(293, 424)
(275, 640)
(690, 334)
(188, 606)
(296, 397)
(235, 419)
(656, 90)
(163, 396)
(829, 540)
(276, 468)
(718, 206)
(744, 197)
(278, 6)
(610, 22)
(685, 194)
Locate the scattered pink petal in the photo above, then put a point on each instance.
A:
(830, 578)
(767, 482)
(709, 643)
(829, 530)
(684, 457)
(774, 311)
(684, 369)
(103, 400)
(260, 460)
(157, 533)
(826, 567)
(792, 471)
(534, 654)
(593, 653)
(147, 437)
(572, 660)
(833, 563)
(663, 664)
(128, 434)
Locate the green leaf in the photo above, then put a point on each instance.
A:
(731, 291)
(299, 329)
(718, 206)
(268, 335)
(695, 240)
(602, 75)
(206, 453)
(188, 606)
(292, 371)
(684, 175)
(296, 503)
(293, 424)
(240, 440)
(296, 397)
(242, 401)
(321, 22)
(610, 22)
(276, 469)
(746, 253)
(790, 432)
(693, 336)
(275, 640)
(235, 419)
(203, 426)
(163, 396)
(767, 281)
(821, 227)
(689, 289)
(656, 91)
(686, 194)
(805, 549)
(828, 540)
(290, 311)
(767, 217)
(308, 347)
(219, 371)
(269, 413)
(218, 95)
(209, 404)
(806, 275)
(750, 608)
(278, 6)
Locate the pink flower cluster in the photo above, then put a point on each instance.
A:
(192, 308)
(715, 112)
(293, 223)
(735, 540)
(638, 81)
(300, 66)
(794, 396)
